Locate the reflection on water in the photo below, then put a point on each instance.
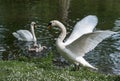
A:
(64, 9)
(18, 14)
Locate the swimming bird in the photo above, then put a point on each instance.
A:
(25, 35)
(82, 40)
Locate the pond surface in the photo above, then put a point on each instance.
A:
(18, 14)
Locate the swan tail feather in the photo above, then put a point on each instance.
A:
(82, 61)
(16, 35)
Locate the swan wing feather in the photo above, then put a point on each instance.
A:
(88, 42)
(86, 25)
(23, 35)
(16, 35)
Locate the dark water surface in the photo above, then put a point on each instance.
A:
(18, 14)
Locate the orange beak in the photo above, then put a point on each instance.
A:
(49, 26)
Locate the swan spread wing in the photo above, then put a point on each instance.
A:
(23, 35)
(86, 25)
(88, 42)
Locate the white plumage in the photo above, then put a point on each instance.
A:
(81, 41)
(25, 35)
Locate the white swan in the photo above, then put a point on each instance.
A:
(81, 41)
(25, 35)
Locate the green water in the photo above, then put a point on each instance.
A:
(18, 14)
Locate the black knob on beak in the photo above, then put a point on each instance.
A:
(49, 25)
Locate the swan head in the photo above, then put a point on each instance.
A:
(53, 23)
(33, 24)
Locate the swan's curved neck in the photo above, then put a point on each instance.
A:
(33, 33)
(63, 32)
